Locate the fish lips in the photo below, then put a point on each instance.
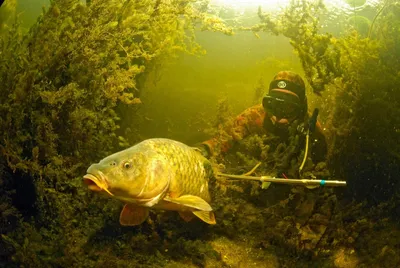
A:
(94, 184)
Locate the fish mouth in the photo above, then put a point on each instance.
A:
(95, 184)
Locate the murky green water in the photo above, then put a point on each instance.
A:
(232, 67)
(71, 93)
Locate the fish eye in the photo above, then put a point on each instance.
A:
(127, 165)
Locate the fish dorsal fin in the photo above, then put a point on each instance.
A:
(133, 215)
(186, 215)
(191, 201)
(206, 216)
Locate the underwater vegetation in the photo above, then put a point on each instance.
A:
(7, 12)
(361, 24)
(359, 80)
(62, 88)
(357, 76)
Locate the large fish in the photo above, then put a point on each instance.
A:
(155, 173)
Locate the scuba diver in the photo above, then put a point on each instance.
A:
(282, 113)
(293, 135)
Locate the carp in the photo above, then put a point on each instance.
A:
(156, 173)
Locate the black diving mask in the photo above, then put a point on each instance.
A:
(282, 106)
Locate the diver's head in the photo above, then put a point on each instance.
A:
(286, 100)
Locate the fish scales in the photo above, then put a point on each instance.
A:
(155, 173)
(190, 174)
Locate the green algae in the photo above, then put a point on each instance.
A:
(62, 88)
(62, 101)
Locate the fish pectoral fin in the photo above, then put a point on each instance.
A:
(186, 215)
(133, 215)
(206, 216)
(191, 201)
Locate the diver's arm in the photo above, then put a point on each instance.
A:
(248, 122)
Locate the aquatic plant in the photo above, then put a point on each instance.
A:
(358, 77)
(62, 86)
(361, 24)
(357, 74)
(300, 23)
(7, 13)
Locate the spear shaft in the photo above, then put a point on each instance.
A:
(304, 182)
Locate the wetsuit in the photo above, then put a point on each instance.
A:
(255, 120)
